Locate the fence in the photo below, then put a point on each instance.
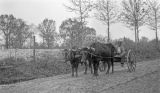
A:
(29, 54)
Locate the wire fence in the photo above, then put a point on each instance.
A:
(29, 53)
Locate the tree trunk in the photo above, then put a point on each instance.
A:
(156, 28)
(81, 37)
(71, 43)
(43, 40)
(9, 41)
(6, 42)
(135, 33)
(48, 43)
(108, 32)
(157, 46)
(81, 21)
(21, 44)
(156, 37)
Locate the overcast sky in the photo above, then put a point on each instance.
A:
(35, 11)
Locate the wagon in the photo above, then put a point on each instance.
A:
(129, 59)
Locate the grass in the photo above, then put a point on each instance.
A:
(22, 70)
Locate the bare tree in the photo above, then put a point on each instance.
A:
(106, 13)
(48, 31)
(82, 9)
(154, 16)
(133, 14)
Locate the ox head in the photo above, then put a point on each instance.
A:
(85, 53)
(84, 56)
(67, 54)
(70, 54)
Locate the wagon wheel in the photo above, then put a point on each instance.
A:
(131, 61)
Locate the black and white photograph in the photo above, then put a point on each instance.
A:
(79, 46)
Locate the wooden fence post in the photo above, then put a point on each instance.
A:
(34, 53)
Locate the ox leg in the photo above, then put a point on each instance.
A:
(108, 63)
(90, 65)
(76, 69)
(72, 70)
(96, 65)
(85, 68)
(112, 62)
(91, 68)
(76, 72)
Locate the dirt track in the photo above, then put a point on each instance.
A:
(82, 84)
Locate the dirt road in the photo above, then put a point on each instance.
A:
(83, 83)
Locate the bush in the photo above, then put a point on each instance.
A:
(145, 49)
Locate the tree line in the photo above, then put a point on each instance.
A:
(133, 13)
(16, 32)
(74, 31)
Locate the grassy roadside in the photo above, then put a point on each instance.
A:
(21, 70)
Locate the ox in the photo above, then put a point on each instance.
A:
(74, 57)
(100, 52)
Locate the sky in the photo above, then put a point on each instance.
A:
(35, 11)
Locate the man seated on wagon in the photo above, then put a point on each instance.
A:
(120, 51)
